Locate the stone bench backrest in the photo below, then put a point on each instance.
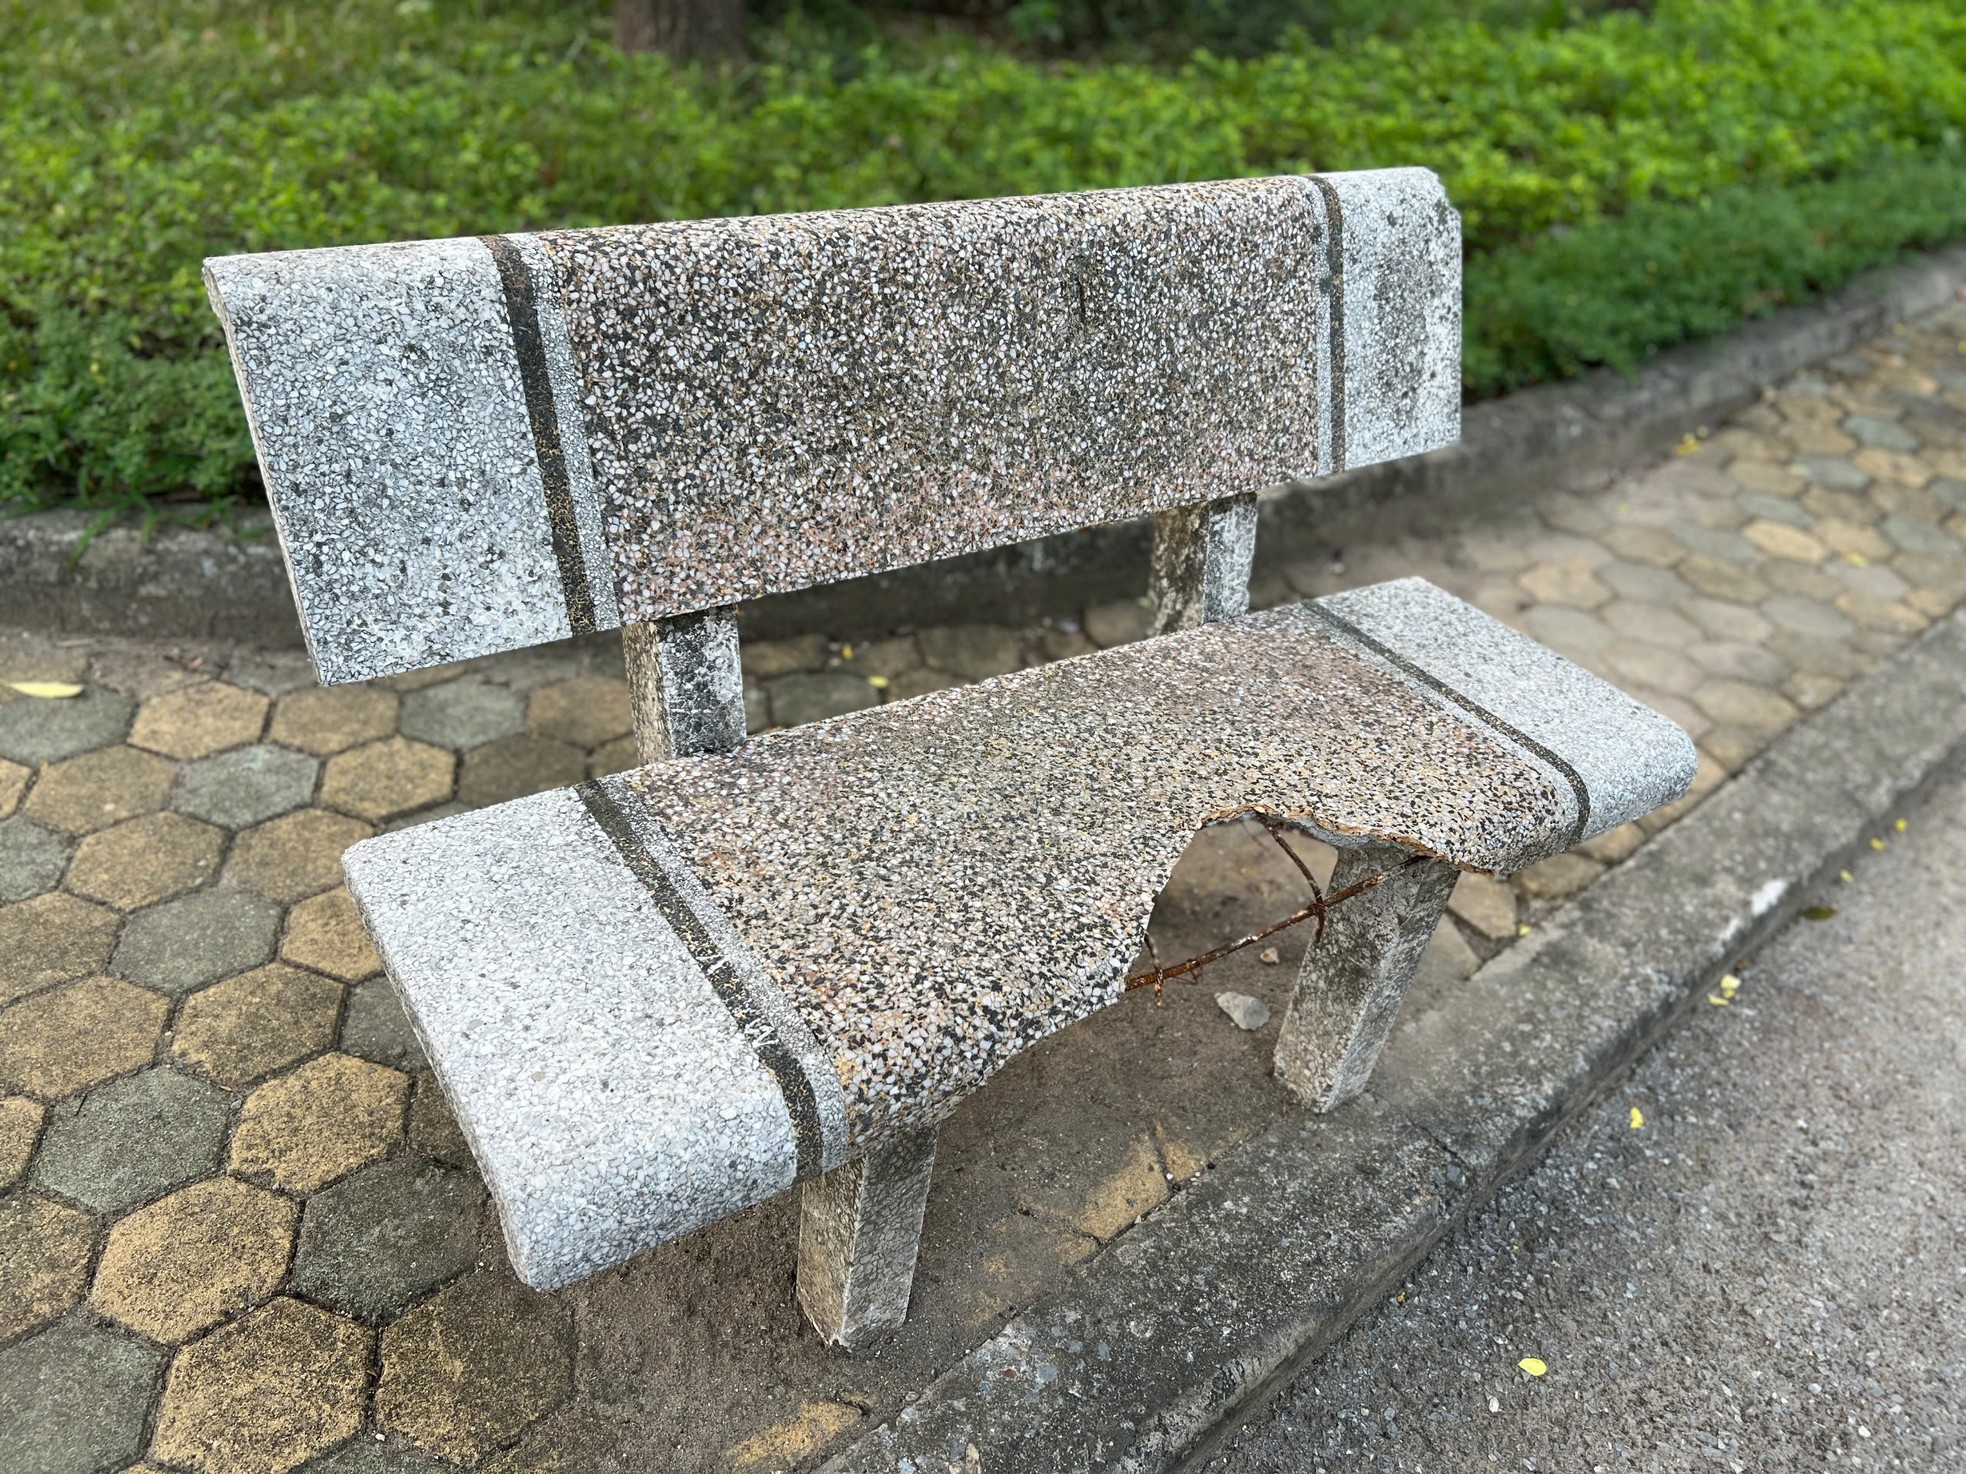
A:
(479, 444)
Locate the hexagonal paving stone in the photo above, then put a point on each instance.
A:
(1720, 580)
(325, 933)
(330, 1116)
(1638, 543)
(513, 767)
(36, 732)
(1849, 538)
(194, 1258)
(1740, 704)
(198, 939)
(1776, 508)
(1892, 466)
(260, 1021)
(51, 939)
(592, 710)
(474, 1366)
(1784, 540)
(1486, 904)
(99, 789)
(13, 783)
(1810, 580)
(199, 720)
(247, 786)
(20, 1128)
(972, 651)
(621, 754)
(433, 1129)
(1644, 582)
(1740, 661)
(44, 1260)
(383, 779)
(1570, 630)
(763, 659)
(75, 1398)
(143, 861)
(69, 1038)
(1916, 535)
(294, 856)
(132, 1140)
(815, 696)
(1807, 617)
(1886, 433)
(376, 1242)
(1557, 877)
(376, 1028)
(464, 713)
(1648, 624)
(329, 719)
(266, 1393)
(30, 859)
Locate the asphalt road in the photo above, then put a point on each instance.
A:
(1768, 1274)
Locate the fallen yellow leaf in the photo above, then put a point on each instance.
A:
(1856, 560)
(1845, 876)
(1523, 929)
(46, 690)
(1900, 826)
(1638, 1119)
(1876, 843)
(879, 683)
(1729, 986)
(846, 652)
(1717, 1001)
(1687, 446)
(1533, 1365)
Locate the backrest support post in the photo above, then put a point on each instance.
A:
(685, 684)
(1202, 557)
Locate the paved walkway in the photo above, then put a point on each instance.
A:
(1760, 1270)
(238, 1229)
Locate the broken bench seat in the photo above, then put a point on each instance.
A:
(662, 997)
(656, 999)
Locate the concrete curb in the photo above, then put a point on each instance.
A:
(181, 583)
(1199, 1311)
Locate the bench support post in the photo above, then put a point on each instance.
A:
(1352, 982)
(685, 684)
(1202, 557)
(860, 1226)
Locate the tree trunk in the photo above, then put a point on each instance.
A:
(689, 30)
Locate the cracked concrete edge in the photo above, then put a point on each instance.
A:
(1195, 1315)
(124, 583)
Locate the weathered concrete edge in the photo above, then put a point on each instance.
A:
(1201, 1310)
(184, 583)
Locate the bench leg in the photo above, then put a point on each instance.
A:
(859, 1229)
(685, 684)
(1202, 557)
(1352, 982)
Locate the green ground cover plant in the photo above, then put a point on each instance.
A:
(1627, 179)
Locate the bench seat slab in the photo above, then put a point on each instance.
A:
(668, 994)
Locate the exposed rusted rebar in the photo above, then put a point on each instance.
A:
(1161, 976)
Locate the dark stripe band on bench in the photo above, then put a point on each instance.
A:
(1474, 709)
(801, 1105)
(1334, 214)
(529, 346)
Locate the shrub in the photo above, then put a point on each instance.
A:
(138, 137)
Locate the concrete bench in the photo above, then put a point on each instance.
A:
(659, 998)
